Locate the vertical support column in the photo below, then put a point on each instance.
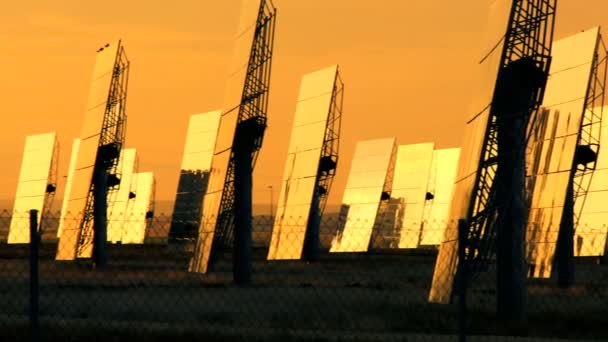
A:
(243, 212)
(311, 241)
(100, 213)
(517, 90)
(247, 139)
(564, 254)
(463, 280)
(510, 175)
(34, 286)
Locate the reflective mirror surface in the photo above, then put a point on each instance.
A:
(370, 175)
(87, 152)
(302, 165)
(136, 222)
(554, 137)
(38, 169)
(412, 171)
(445, 163)
(474, 136)
(194, 175)
(68, 185)
(118, 201)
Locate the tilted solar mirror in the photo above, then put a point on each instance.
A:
(369, 183)
(439, 199)
(310, 167)
(194, 175)
(227, 206)
(84, 234)
(563, 148)
(412, 172)
(489, 191)
(68, 187)
(590, 239)
(37, 184)
(120, 201)
(141, 212)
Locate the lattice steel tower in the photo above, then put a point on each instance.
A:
(497, 215)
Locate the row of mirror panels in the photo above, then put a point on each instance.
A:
(417, 211)
(422, 189)
(250, 12)
(302, 165)
(370, 176)
(123, 211)
(120, 203)
(87, 152)
(554, 140)
(38, 172)
(473, 140)
(300, 176)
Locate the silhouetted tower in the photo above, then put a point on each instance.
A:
(96, 171)
(227, 208)
(494, 211)
(497, 210)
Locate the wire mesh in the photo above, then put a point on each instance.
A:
(146, 292)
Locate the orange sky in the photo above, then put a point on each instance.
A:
(406, 66)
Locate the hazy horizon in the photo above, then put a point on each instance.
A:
(166, 207)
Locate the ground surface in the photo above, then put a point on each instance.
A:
(146, 294)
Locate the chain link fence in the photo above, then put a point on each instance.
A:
(146, 292)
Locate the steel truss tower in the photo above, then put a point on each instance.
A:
(496, 217)
(589, 133)
(584, 165)
(251, 124)
(331, 142)
(327, 170)
(106, 175)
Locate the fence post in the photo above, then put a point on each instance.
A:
(462, 278)
(34, 289)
